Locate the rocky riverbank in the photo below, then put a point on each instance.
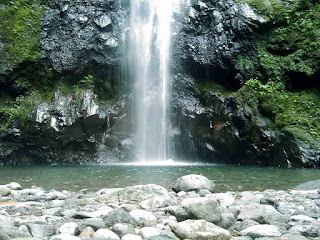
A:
(191, 211)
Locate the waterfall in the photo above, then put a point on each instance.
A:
(149, 57)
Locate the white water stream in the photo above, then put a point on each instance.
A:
(149, 58)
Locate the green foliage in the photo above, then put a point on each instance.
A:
(20, 27)
(300, 109)
(290, 43)
(20, 109)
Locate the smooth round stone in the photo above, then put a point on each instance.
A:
(68, 228)
(4, 191)
(263, 230)
(64, 237)
(131, 237)
(193, 182)
(14, 186)
(105, 233)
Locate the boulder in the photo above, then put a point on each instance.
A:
(40, 230)
(68, 228)
(310, 231)
(312, 185)
(148, 232)
(119, 216)
(122, 229)
(105, 233)
(137, 193)
(198, 208)
(14, 186)
(131, 237)
(261, 231)
(143, 218)
(193, 182)
(199, 229)
(264, 214)
(4, 191)
(88, 232)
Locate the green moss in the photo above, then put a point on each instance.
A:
(289, 43)
(287, 109)
(205, 86)
(20, 27)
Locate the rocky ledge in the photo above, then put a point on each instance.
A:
(191, 211)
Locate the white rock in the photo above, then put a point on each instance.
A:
(193, 182)
(148, 232)
(261, 231)
(105, 233)
(131, 237)
(199, 229)
(64, 237)
(14, 186)
(144, 218)
(302, 219)
(4, 191)
(68, 228)
(225, 199)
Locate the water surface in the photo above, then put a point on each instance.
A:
(95, 177)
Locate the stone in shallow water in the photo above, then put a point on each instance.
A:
(193, 182)
(199, 229)
(261, 231)
(14, 186)
(312, 185)
(4, 191)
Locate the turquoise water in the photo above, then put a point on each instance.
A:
(95, 177)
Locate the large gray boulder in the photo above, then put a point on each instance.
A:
(152, 193)
(119, 216)
(264, 230)
(193, 182)
(312, 185)
(199, 229)
(198, 208)
(264, 214)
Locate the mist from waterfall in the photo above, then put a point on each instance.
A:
(149, 58)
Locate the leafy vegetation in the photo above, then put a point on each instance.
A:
(300, 109)
(20, 23)
(19, 110)
(289, 43)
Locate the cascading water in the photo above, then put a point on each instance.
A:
(149, 55)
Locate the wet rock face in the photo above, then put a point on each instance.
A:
(68, 129)
(211, 34)
(81, 32)
(212, 127)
